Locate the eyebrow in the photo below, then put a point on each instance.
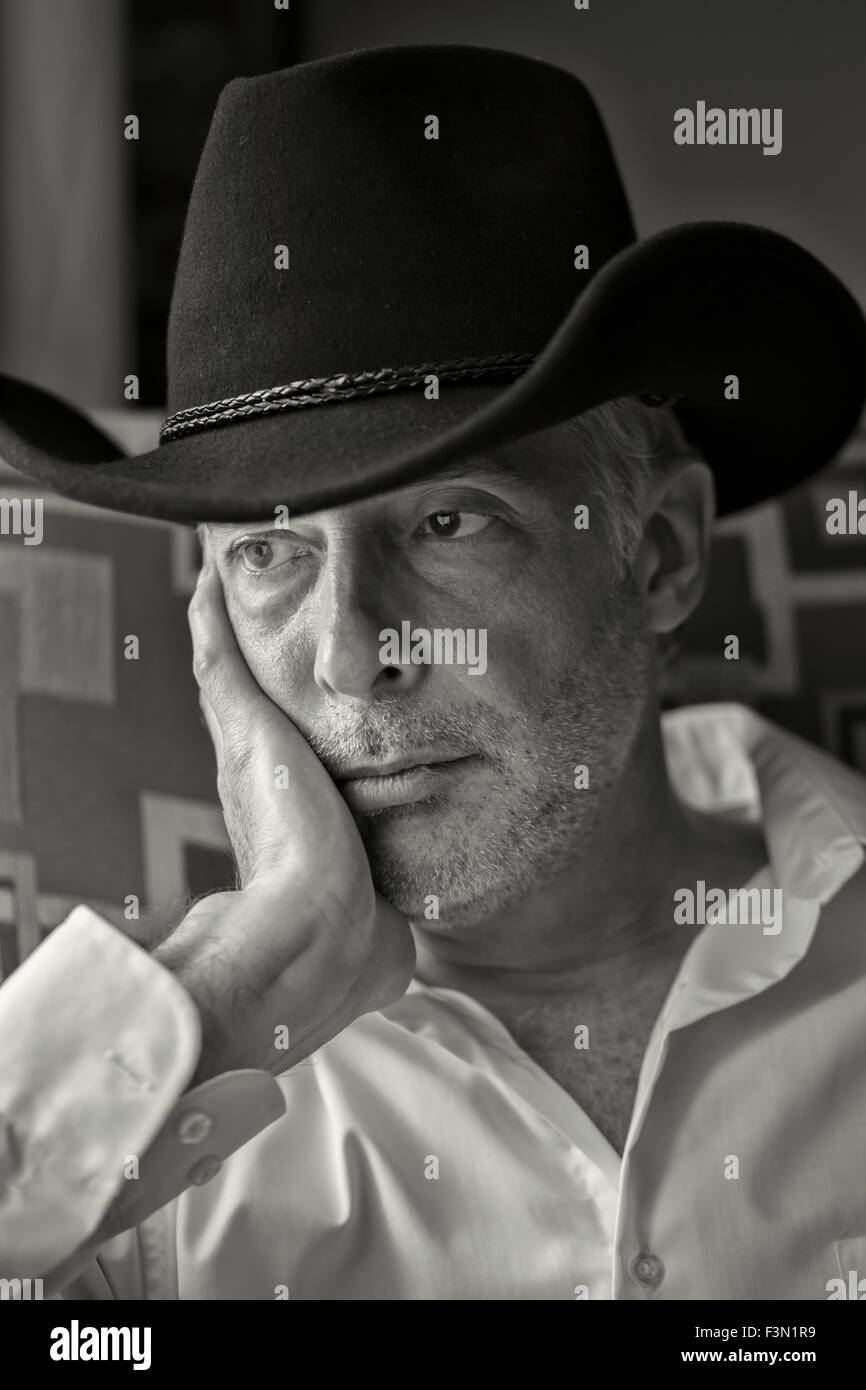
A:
(475, 470)
(484, 470)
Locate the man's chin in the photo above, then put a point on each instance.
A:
(421, 834)
(423, 857)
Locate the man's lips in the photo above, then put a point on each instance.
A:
(421, 757)
(398, 781)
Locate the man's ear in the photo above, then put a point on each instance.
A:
(673, 557)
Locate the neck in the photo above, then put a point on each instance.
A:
(612, 910)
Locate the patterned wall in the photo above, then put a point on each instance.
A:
(106, 771)
(796, 597)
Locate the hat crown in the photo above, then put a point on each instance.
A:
(399, 249)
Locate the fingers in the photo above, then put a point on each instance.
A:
(224, 678)
(247, 728)
(211, 724)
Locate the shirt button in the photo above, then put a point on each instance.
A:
(204, 1170)
(193, 1127)
(647, 1270)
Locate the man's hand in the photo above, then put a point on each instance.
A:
(306, 945)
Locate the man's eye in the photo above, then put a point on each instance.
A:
(260, 554)
(449, 525)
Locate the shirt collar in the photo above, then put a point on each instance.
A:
(726, 758)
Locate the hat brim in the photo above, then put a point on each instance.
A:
(679, 314)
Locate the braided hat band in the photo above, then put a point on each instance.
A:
(318, 390)
(296, 395)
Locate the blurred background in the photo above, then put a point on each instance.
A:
(106, 773)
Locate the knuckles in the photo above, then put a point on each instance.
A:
(204, 662)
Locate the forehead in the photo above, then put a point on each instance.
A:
(531, 470)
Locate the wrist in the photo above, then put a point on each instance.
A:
(193, 955)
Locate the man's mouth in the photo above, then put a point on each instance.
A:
(400, 781)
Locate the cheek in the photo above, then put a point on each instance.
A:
(555, 609)
(270, 644)
(542, 629)
(526, 659)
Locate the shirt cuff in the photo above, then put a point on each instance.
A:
(98, 1042)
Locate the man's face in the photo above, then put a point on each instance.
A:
(493, 549)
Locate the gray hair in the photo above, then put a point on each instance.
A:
(625, 446)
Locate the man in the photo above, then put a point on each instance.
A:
(523, 991)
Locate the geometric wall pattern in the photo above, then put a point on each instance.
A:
(796, 597)
(106, 770)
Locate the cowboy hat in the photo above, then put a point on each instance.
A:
(398, 257)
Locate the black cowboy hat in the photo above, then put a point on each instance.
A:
(380, 274)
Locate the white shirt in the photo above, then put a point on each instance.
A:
(421, 1154)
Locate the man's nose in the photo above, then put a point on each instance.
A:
(355, 606)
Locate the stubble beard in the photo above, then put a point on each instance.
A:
(520, 822)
